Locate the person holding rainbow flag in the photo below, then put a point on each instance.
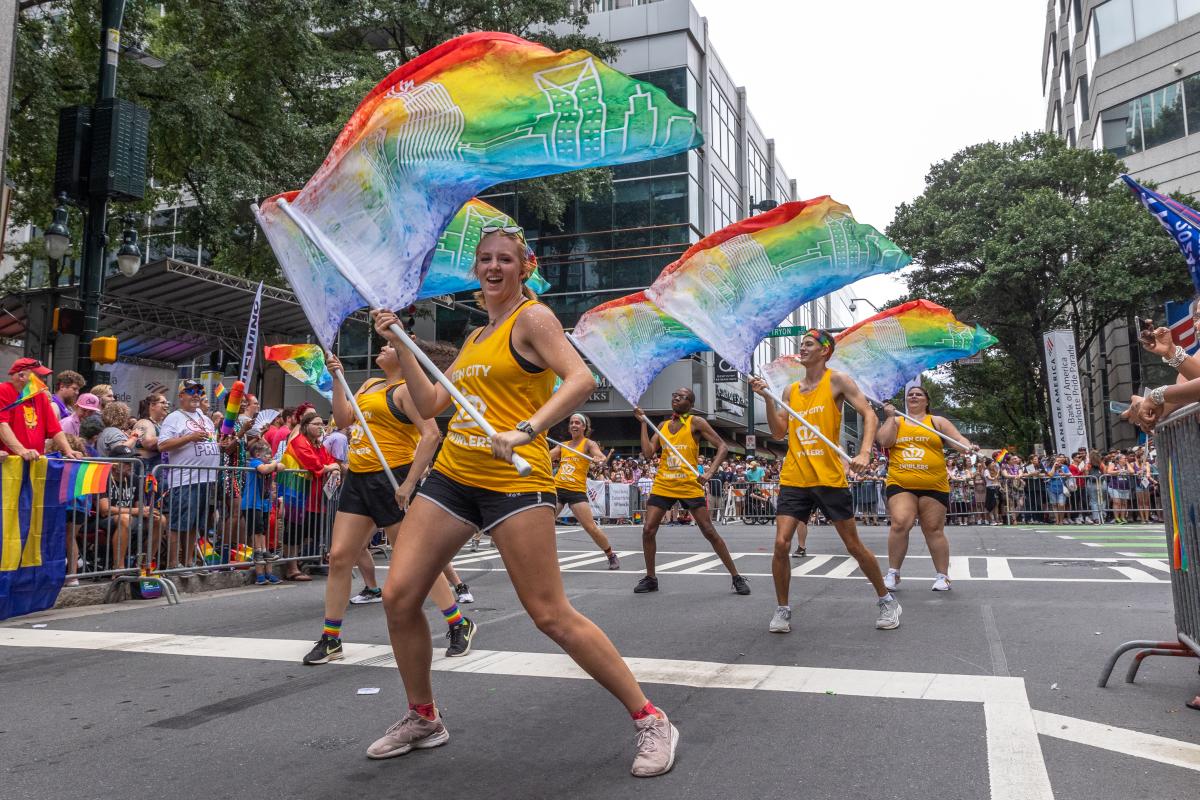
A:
(27, 418)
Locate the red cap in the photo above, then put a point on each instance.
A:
(31, 364)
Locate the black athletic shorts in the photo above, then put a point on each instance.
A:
(941, 497)
(570, 498)
(667, 503)
(482, 508)
(369, 494)
(835, 502)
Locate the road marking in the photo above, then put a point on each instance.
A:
(679, 562)
(809, 564)
(1156, 554)
(1154, 563)
(596, 559)
(707, 565)
(842, 570)
(1017, 768)
(960, 568)
(1119, 740)
(998, 569)
(1136, 575)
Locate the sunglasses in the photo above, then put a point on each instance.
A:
(193, 390)
(509, 229)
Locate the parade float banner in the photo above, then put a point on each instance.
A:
(884, 352)
(732, 288)
(478, 110)
(1182, 222)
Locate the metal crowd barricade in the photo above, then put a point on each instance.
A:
(102, 539)
(1178, 439)
(758, 503)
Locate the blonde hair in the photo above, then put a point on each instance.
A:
(528, 265)
(102, 388)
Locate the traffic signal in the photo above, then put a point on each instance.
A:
(67, 320)
(104, 349)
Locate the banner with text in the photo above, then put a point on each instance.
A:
(1066, 399)
(251, 349)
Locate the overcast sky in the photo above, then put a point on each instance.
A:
(862, 97)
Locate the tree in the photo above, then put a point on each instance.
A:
(1023, 237)
(252, 95)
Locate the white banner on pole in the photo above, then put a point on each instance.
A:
(597, 492)
(251, 348)
(1066, 398)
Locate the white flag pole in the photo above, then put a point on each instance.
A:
(351, 274)
(557, 443)
(800, 418)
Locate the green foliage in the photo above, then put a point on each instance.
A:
(251, 98)
(1023, 237)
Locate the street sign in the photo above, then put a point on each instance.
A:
(751, 443)
(788, 330)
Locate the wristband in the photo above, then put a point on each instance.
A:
(1177, 359)
(524, 427)
(1159, 396)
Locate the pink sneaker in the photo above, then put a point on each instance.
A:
(412, 732)
(656, 741)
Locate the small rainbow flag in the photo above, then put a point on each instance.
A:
(31, 389)
(219, 391)
(82, 478)
(305, 363)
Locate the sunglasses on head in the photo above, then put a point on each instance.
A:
(509, 229)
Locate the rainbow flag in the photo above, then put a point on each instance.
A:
(219, 392)
(86, 477)
(453, 260)
(305, 363)
(885, 351)
(33, 387)
(733, 287)
(478, 110)
(630, 340)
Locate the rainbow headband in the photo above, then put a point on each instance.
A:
(823, 338)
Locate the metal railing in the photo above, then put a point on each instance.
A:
(1055, 500)
(1178, 440)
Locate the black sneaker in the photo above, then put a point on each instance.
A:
(460, 637)
(646, 584)
(741, 585)
(327, 648)
(800, 553)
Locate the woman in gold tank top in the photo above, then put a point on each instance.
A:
(506, 369)
(570, 481)
(918, 487)
(367, 501)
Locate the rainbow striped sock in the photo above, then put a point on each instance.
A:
(453, 615)
(333, 627)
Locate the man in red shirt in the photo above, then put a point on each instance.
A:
(26, 426)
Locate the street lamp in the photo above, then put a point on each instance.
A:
(762, 205)
(57, 237)
(129, 257)
(854, 307)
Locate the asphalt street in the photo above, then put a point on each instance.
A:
(988, 691)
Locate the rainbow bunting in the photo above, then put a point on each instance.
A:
(478, 110)
(885, 351)
(454, 259)
(305, 363)
(630, 340)
(734, 286)
(33, 387)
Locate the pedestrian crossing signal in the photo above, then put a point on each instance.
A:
(104, 349)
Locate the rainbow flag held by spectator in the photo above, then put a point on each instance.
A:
(33, 541)
(1183, 328)
(305, 363)
(481, 109)
(1180, 221)
(733, 287)
(33, 387)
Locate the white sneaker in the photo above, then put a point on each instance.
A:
(941, 583)
(463, 593)
(892, 580)
(889, 614)
(781, 622)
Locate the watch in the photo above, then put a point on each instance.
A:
(524, 427)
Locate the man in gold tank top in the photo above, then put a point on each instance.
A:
(813, 475)
(676, 481)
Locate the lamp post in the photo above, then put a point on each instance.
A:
(854, 300)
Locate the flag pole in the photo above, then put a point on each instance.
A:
(934, 431)
(358, 414)
(557, 443)
(796, 415)
(351, 274)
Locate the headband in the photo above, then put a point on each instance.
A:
(823, 338)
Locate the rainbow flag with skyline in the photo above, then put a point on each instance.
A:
(453, 262)
(478, 110)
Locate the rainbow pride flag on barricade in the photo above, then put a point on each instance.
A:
(33, 527)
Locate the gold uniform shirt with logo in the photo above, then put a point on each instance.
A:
(809, 461)
(395, 433)
(917, 460)
(488, 374)
(673, 479)
(572, 468)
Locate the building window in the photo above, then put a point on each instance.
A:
(1081, 98)
(723, 134)
(1151, 16)
(1057, 122)
(724, 205)
(1162, 116)
(1119, 23)
(1051, 60)
(1114, 25)
(1155, 118)
(783, 192)
(759, 177)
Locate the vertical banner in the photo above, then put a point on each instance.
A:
(618, 500)
(597, 492)
(1066, 399)
(251, 348)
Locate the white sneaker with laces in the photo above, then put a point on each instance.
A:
(891, 581)
(782, 621)
(889, 614)
(941, 583)
(656, 742)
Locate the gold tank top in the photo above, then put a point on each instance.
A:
(809, 461)
(396, 434)
(572, 468)
(488, 374)
(673, 478)
(917, 460)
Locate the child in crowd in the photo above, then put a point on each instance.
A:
(256, 506)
